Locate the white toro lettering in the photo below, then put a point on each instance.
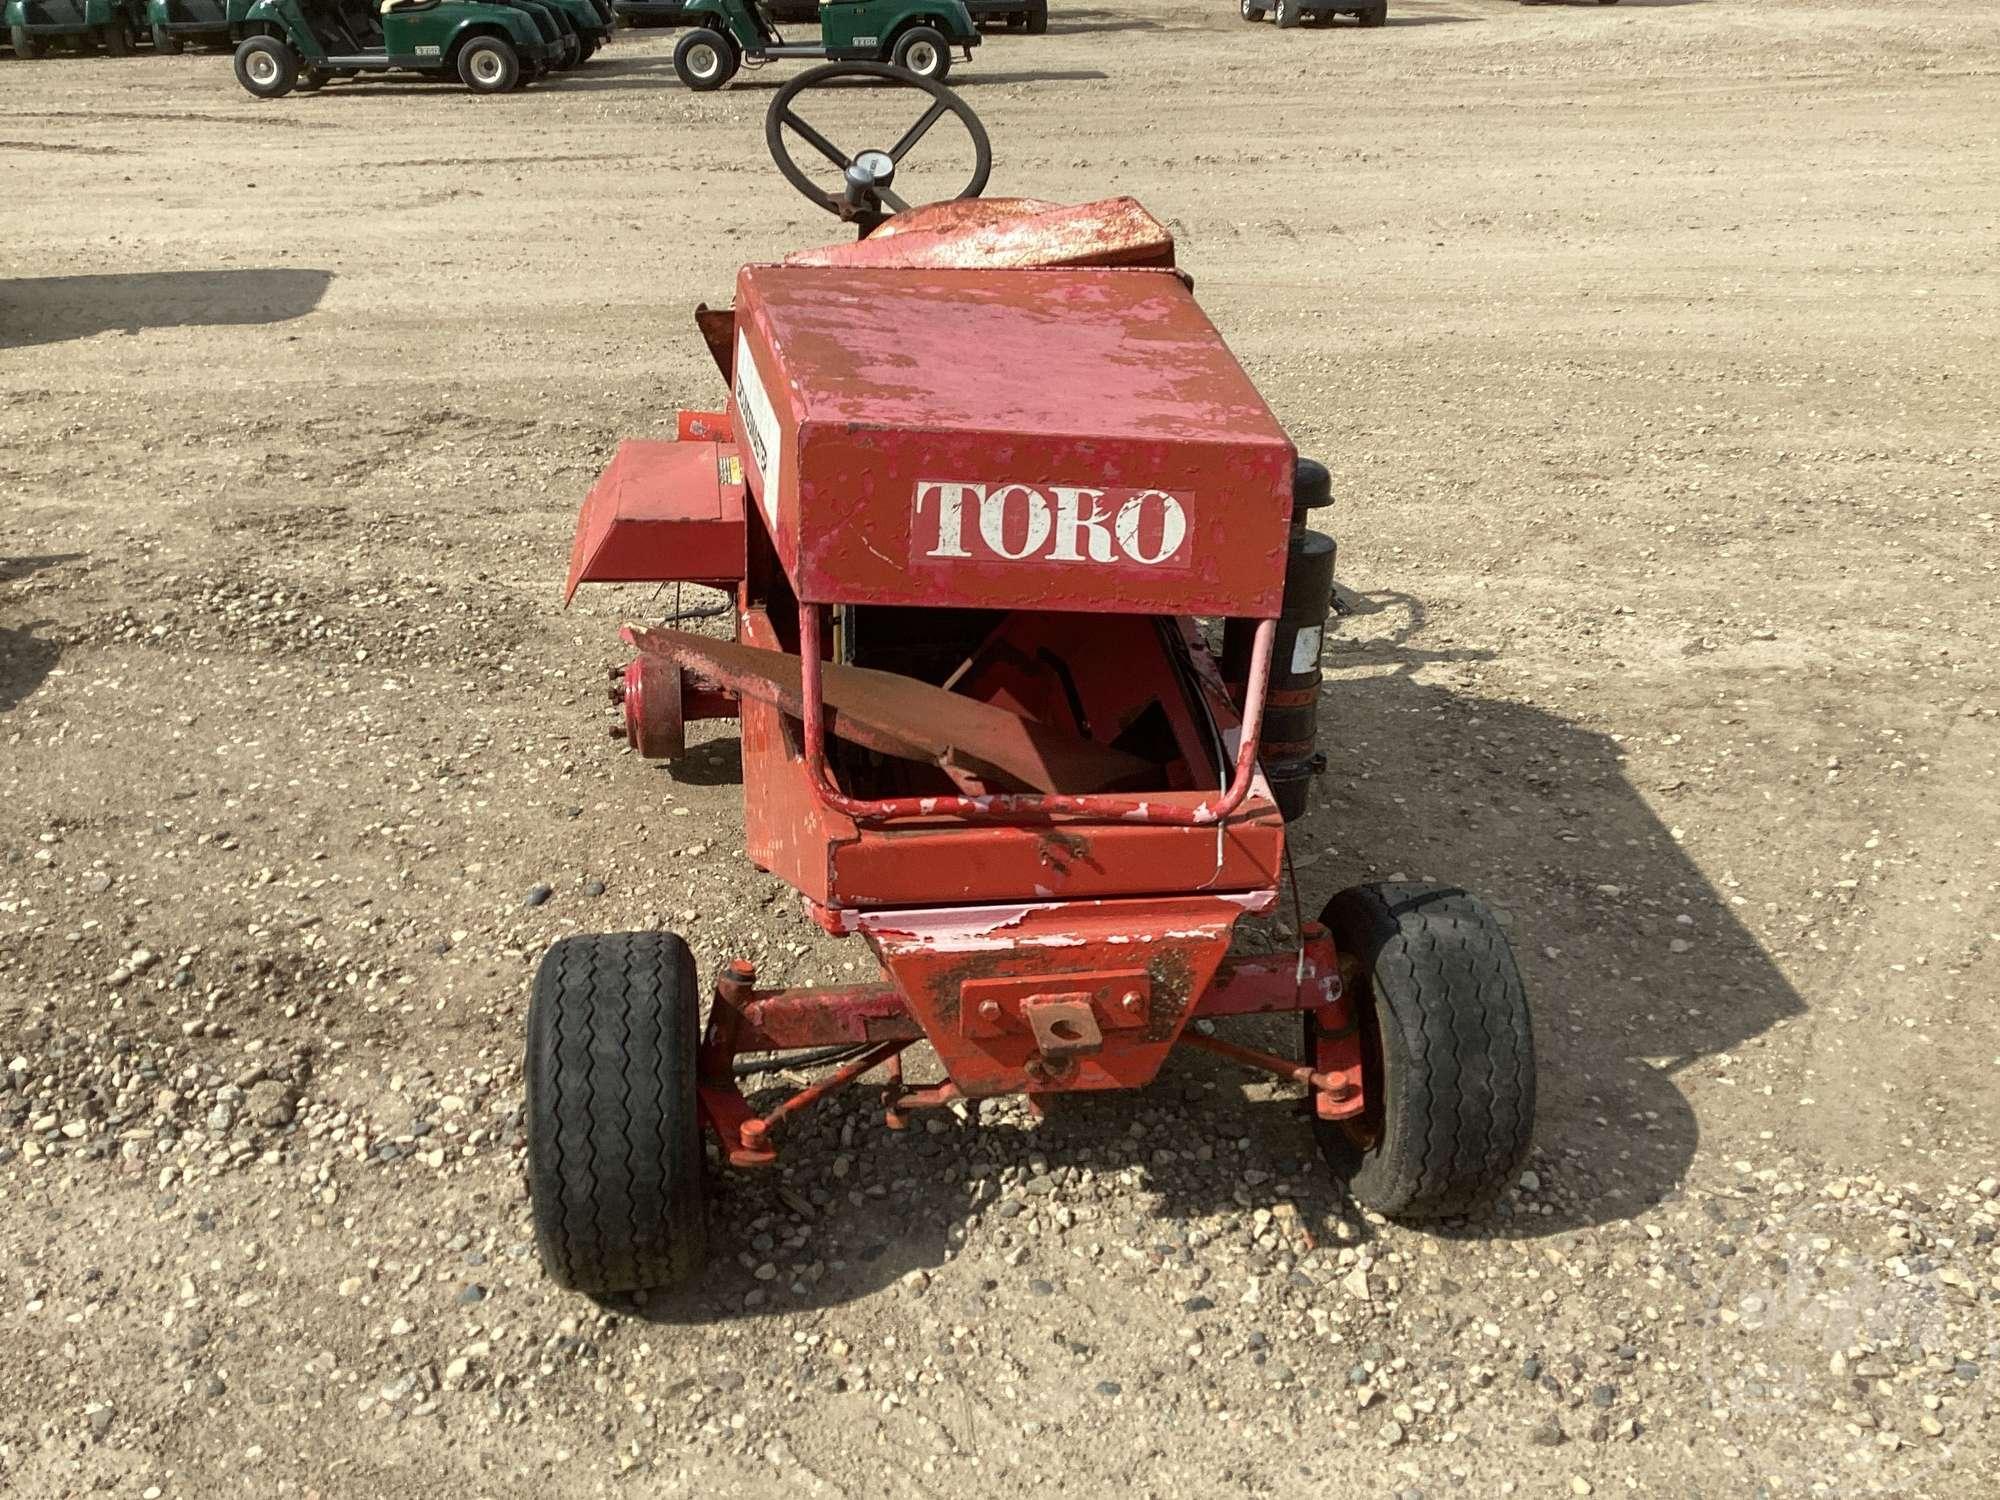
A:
(1057, 523)
(1133, 523)
(1030, 518)
(1073, 521)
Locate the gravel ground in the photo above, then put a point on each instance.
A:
(1652, 348)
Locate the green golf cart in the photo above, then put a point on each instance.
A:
(177, 24)
(39, 26)
(916, 35)
(491, 45)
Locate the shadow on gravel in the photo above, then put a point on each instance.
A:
(26, 659)
(1519, 805)
(651, 75)
(50, 309)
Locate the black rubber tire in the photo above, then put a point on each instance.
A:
(312, 80)
(117, 39)
(1290, 12)
(1249, 10)
(284, 67)
(488, 65)
(725, 56)
(614, 1136)
(1038, 22)
(927, 41)
(572, 53)
(1449, 1052)
(26, 46)
(1373, 15)
(165, 42)
(586, 50)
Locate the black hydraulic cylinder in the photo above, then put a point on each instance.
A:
(1290, 753)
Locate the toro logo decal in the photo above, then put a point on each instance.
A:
(1058, 523)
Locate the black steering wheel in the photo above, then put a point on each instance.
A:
(867, 177)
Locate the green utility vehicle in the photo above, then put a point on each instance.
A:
(37, 26)
(1290, 13)
(177, 24)
(916, 35)
(491, 45)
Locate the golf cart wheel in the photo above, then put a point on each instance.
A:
(1448, 1053)
(921, 50)
(313, 79)
(1374, 15)
(586, 49)
(488, 65)
(705, 59)
(1249, 10)
(1038, 21)
(572, 53)
(165, 42)
(1290, 13)
(117, 40)
(26, 48)
(614, 1137)
(267, 67)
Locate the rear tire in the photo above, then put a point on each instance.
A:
(586, 49)
(921, 50)
(1290, 12)
(1038, 22)
(1249, 10)
(1449, 1052)
(705, 60)
(165, 42)
(267, 67)
(26, 47)
(312, 80)
(116, 38)
(614, 1134)
(488, 65)
(1373, 15)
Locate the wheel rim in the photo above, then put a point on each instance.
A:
(262, 68)
(921, 59)
(704, 61)
(486, 66)
(1364, 1131)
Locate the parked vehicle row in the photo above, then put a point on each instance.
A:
(491, 46)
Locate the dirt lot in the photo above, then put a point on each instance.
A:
(1653, 348)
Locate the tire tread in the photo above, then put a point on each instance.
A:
(614, 1151)
(1457, 1039)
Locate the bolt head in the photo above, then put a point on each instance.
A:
(989, 1010)
(1131, 1000)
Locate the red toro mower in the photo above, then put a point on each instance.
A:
(1026, 667)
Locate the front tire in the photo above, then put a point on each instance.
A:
(1448, 1052)
(705, 60)
(1373, 15)
(1249, 10)
(117, 40)
(165, 42)
(921, 50)
(267, 67)
(1038, 22)
(1290, 13)
(488, 65)
(614, 1134)
(26, 47)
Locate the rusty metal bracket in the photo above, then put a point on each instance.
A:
(993, 1008)
(1064, 1026)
